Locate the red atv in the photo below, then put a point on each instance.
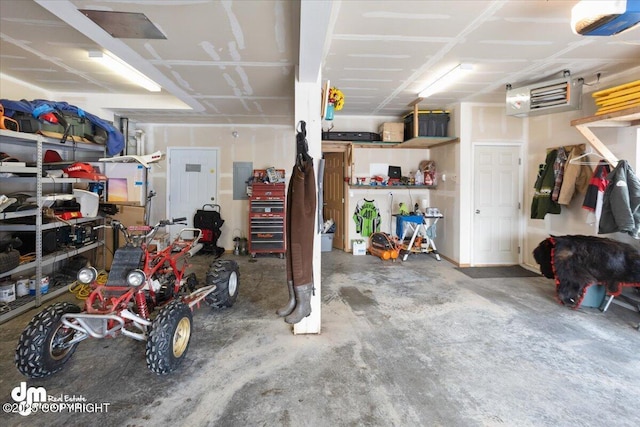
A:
(147, 297)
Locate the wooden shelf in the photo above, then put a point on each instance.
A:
(623, 118)
(416, 143)
(428, 141)
(419, 142)
(392, 187)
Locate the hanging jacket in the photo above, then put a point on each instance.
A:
(621, 203)
(597, 183)
(575, 178)
(595, 193)
(558, 172)
(542, 203)
(367, 217)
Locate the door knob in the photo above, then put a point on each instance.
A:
(477, 211)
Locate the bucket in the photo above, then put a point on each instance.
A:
(22, 287)
(44, 285)
(8, 292)
(594, 296)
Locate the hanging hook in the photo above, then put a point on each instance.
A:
(302, 148)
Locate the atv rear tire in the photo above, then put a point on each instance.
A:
(225, 274)
(169, 338)
(41, 350)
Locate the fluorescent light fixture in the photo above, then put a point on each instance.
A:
(125, 70)
(442, 82)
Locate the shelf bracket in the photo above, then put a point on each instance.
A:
(597, 144)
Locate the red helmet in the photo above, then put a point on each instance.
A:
(52, 156)
(84, 171)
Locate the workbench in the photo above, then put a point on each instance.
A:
(418, 225)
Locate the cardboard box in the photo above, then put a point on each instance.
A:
(359, 247)
(391, 132)
(161, 240)
(126, 183)
(127, 215)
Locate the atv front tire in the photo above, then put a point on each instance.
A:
(42, 348)
(225, 274)
(169, 338)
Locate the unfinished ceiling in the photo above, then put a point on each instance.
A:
(234, 62)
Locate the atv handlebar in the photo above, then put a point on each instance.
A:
(164, 222)
(137, 238)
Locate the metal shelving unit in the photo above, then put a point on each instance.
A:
(29, 174)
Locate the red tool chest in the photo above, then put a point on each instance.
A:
(267, 215)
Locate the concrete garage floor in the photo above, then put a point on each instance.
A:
(402, 344)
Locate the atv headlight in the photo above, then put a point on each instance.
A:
(87, 275)
(136, 278)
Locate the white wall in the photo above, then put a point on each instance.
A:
(265, 146)
(15, 90)
(476, 123)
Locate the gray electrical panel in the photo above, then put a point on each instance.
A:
(242, 171)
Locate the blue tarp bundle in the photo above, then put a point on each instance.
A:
(37, 107)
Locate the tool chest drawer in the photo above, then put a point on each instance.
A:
(267, 206)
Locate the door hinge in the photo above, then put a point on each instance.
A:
(518, 250)
(343, 200)
(519, 206)
(519, 160)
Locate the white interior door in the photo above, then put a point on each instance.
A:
(497, 188)
(193, 182)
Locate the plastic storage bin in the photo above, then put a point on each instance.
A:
(431, 123)
(327, 242)
(594, 296)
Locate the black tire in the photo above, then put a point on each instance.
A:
(191, 282)
(40, 352)
(225, 274)
(169, 338)
(9, 260)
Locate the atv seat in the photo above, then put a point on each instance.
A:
(125, 259)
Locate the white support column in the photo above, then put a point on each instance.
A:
(307, 108)
(315, 19)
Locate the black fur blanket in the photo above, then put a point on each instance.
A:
(577, 262)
